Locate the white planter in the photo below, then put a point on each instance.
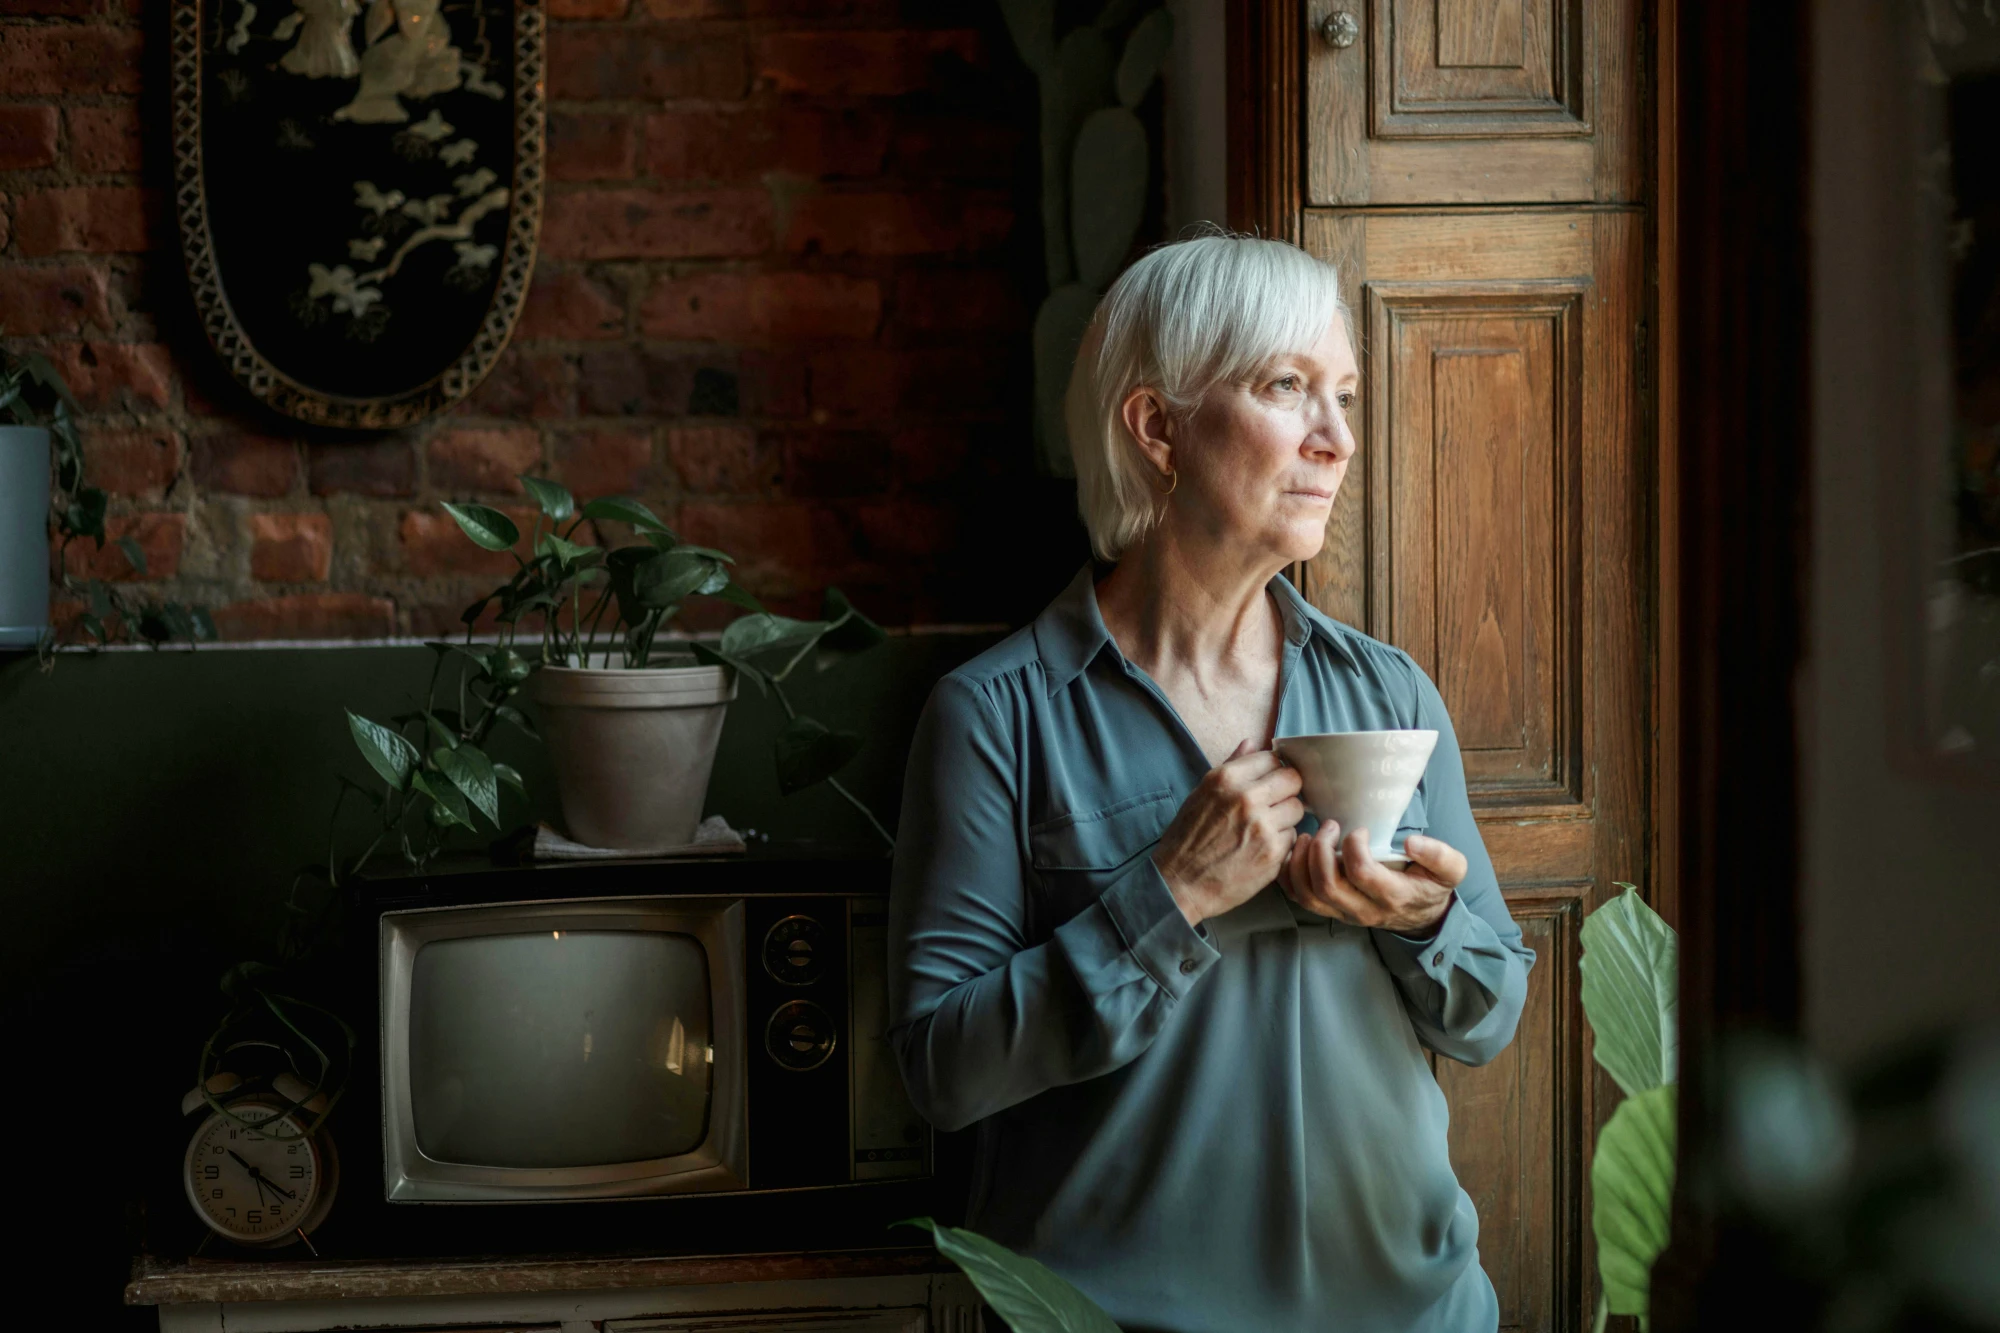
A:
(632, 749)
(24, 535)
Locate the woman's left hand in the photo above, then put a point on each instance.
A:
(1336, 877)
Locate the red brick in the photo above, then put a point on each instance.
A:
(116, 374)
(69, 9)
(737, 307)
(290, 548)
(27, 137)
(777, 543)
(433, 544)
(898, 224)
(526, 384)
(903, 530)
(834, 463)
(864, 64)
(588, 9)
(245, 464)
(160, 538)
(105, 138)
(694, 9)
(648, 62)
(592, 147)
(307, 615)
(131, 462)
(570, 306)
(877, 13)
(632, 381)
(868, 383)
(59, 299)
(959, 149)
(929, 456)
(604, 462)
(63, 58)
(658, 224)
(378, 467)
(96, 219)
(743, 143)
(772, 383)
(484, 459)
(959, 301)
(724, 460)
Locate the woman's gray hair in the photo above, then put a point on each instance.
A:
(1187, 317)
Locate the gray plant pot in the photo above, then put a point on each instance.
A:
(632, 750)
(24, 535)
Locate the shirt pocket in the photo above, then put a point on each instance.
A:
(1076, 856)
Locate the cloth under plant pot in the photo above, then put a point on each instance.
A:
(633, 750)
(24, 535)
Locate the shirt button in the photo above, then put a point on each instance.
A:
(1188, 966)
(1437, 959)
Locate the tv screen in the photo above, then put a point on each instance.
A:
(560, 1048)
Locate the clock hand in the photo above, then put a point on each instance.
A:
(258, 1176)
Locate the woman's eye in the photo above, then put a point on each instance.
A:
(1346, 401)
(1287, 383)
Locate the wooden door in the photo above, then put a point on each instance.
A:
(1473, 168)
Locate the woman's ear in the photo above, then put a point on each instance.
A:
(1151, 426)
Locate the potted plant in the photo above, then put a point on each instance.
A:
(34, 405)
(631, 717)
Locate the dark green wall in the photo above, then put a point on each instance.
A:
(152, 808)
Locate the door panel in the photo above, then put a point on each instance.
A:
(1495, 526)
(1474, 101)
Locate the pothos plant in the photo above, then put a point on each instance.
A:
(604, 606)
(32, 393)
(576, 603)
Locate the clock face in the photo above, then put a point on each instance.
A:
(253, 1181)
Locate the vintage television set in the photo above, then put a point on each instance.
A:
(675, 1055)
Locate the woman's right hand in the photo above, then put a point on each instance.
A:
(1232, 834)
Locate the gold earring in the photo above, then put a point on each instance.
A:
(1174, 474)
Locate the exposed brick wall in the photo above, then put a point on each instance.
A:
(789, 259)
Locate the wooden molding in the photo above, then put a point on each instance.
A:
(1266, 89)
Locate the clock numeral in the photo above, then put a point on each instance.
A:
(216, 1150)
(216, 1193)
(298, 1171)
(255, 1217)
(292, 1150)
(211, 1172)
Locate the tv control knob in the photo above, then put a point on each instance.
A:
(800, 1035)
(795, 951)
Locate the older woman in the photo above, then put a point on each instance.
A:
(1189, 1024)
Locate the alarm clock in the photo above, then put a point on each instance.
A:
(255, 1172)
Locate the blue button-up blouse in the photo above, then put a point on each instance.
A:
(1208, 1129)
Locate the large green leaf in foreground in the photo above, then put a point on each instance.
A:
(1028, 1296)
(1631, 971)
(1632, 1179)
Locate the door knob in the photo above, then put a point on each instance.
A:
(1340, 28)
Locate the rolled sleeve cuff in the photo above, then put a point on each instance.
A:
(1156, 934)
(1434, 957)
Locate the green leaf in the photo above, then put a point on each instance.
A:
(851, 631)
(386, 751)
(683, 548)
(1632, 1188)
(204, 626)
(509, 713)
(86, 515)
(448, 807)
(441, 735)
(1631, 979)
(507, 666)
(763, 632)
(510, 776)
(710, 656)
(472, 773)
(621, 510)
(487, 527)
(556, 501)
(1024, 1292)
(1145, 49)
(735, 595)
(808, 752)
(134, 553)
(1076, 84)
(672, 576)
(566, 551)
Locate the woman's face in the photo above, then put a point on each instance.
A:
(1267, 456)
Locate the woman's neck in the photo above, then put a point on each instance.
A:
(1175, 610)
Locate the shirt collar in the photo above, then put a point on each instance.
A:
(1070, 633)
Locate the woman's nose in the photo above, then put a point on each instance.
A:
(1332, 435)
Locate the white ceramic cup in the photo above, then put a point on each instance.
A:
(1361, 779)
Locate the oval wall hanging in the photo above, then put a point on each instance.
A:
(359, 185)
